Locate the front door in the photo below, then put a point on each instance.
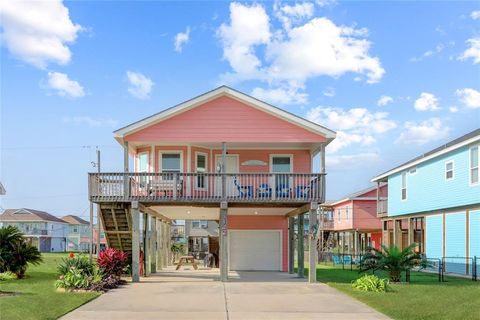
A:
(231, 166)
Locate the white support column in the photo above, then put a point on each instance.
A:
(169, 242)
(164, 246)
(153, 244)
(135, 242)
(126, 180)
(291, 244)
(223, 228)
(159, 244)
(312, 246)
(146, 245)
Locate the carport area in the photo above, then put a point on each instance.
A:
(197, 294)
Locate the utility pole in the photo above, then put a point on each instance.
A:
(91, 250)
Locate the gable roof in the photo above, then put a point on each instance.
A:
(28, 215)
(72, 219)
(354, 196)
(448, 147)
(235, 94)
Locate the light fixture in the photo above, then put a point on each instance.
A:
(256, 212)
(188, 211)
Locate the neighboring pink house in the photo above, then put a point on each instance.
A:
(351, 224)
(221, 156)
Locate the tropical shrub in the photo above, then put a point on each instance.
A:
(7, 275)
(77, 272)
(177, 248)
(15, 252)
(371, 283)
(112, 262)
(393, 260)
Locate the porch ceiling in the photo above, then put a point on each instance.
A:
(203, 213)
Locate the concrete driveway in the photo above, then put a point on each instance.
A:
(197, 294)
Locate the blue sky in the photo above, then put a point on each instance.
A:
(73, 72)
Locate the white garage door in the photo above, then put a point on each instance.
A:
(256, 250)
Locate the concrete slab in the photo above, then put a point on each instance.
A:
(197, 294)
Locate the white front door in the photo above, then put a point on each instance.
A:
(255, 250)
(231, 166)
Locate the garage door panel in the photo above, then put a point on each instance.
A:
(255, 250)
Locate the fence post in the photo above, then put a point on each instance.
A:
(407, 276)
(474, 268)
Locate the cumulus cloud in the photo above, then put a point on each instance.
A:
(473, 52)
(453, 109)
(91, 122)
(352, 161)
(140, 85)
(469, 97)
(303, 48)
(426, 102)
(420, 133)
(38, 32)
(475, 15)
(353, 126)
(280, 95)
(64, 86)
(181, 39)
(384, 100)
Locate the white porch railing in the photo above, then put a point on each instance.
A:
(207, 187)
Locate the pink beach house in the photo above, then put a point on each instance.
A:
(351, 224)
(222, 156)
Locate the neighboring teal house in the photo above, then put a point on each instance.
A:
(434, 201)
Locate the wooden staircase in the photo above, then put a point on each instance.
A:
(117, 223)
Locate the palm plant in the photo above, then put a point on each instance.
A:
(15, 252)
(392, 260)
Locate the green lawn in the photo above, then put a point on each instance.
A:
(38, 298)
(423, 298)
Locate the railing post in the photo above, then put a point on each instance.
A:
(224, 177)
(175, 185)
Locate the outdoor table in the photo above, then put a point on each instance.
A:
(187, 259)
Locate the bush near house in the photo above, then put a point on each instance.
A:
(371, 283)
(15, 252)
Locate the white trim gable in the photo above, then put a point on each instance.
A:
(225, 91)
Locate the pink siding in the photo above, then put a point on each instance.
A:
(225, 120)
(373, 193)
(301, 159)
(264, 223)
(365, 217)
(343, 223)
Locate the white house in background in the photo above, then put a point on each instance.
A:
(45, 231)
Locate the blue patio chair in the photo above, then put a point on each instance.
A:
(337, 260)
(302, 191)
(347, 259)
(283, 191)
(264, 191)
(243, 191)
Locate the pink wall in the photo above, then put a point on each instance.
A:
(343, 223)
(224, 120)
(365, 215)
(263, 223)
(373, 193)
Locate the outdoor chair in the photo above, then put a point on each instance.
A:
(347, 259)
(337, 260)
(283, 191)
(264, 191)
(243, 191)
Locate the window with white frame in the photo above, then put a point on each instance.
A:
(201, 165)
(200, 224)
(404, 186)
(143, 161)
(171, 162)
(474, 169)
(346, 213)
(449, 170)
(338, 214)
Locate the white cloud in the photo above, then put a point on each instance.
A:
(437, 50)
(353, 126)
(64, 86)
(325, 3)
(38, 32)
(423, 132)
(303, 48)
(181, 39)
(85, 120)
(280, 95)
(453, 109)
(384, 100)
(329, 92)
(475, 15)
(469, 97)
(426, 102)
(293, 14)
(140, 86)
(249, 26)
(473, 52)
(352, 161)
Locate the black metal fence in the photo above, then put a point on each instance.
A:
(456, 266)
